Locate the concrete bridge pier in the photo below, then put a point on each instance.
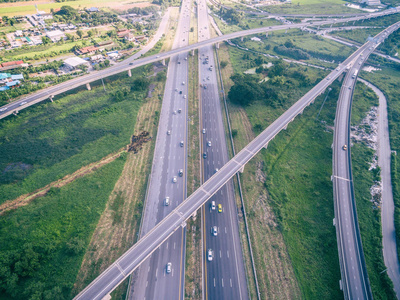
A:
(241, 39)
(193, 52)
(51, 98)
(88, 86)
(163, 62)
(129, 73)
(217, 45)
(241, 169)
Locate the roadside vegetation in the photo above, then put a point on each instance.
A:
(42, 245)
(388, 80)
(295, 173)
(369, 216)
(48, 141)
(311, 7)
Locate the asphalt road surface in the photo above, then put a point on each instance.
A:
(131, 63)
(151, 280)
(224, 277)
(131, 259)
(387, 210)
(354, 282)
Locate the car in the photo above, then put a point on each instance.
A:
(337, 69)
(22, 103)
(179, 110)
(157, 56)
(212, 205)
(185, 58)
(181, 143)
(168, 269)
(3, 109)
(205, 155)
(209, 255)
(169, 132)
(174, 112)
(183, 83)
(204, 130)
(216, 170)
(166, 201)
(214, 230)
(328, 78)
(174, 180)
(220, 208)
(205, 86)
(176, 89)
(208, 77)
(184, 96)
(179, 62)
(180, 172)
(344, 147)
(131, 63)
(209, 143)
(180, 92)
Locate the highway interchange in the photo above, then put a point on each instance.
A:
(163, 228)
(107, 281)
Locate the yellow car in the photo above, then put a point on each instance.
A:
(219, 207)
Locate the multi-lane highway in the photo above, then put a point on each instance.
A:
(224, 276)
(167, 184)
(131, 63)
(132, 258)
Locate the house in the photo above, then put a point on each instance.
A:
(122, 33)
(55, 35)
(105, 44)
(92, 9)
(73, 62)
(141, 38)
(87, 50)
(12, 65)
(129, 37)
(13, 83)
(95, 58)
(18, 33)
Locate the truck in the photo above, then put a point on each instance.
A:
(354, 74)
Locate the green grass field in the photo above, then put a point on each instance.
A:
(29, 7)
(312, 7)
(298, 165)
(48, 141)
(42, 244)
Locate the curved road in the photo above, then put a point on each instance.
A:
(387, 213)
(131, 259)
(131, 63)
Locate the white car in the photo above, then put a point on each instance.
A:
(22, 103)
(169, 132)
(204, 130)
(183, 83)
(209, 143)
(174, 180)
(168, 268)
(209, 255)
(184, 96)
(3, 109)
(212, 205)
(214, 230)
(166, 201)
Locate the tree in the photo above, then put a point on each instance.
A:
(76, 246)
(46, 40)
(11, 21)
(79, 33)
(90, 33)
(223, 64)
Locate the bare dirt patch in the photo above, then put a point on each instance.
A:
(118, 225)
(27, 198)
(24, 3)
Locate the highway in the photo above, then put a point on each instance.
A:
(151, 280)
(224, 277)
(354, 282)
(131, 259)
(131, 63)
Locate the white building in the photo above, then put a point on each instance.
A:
(73, 62)
(55, 35)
